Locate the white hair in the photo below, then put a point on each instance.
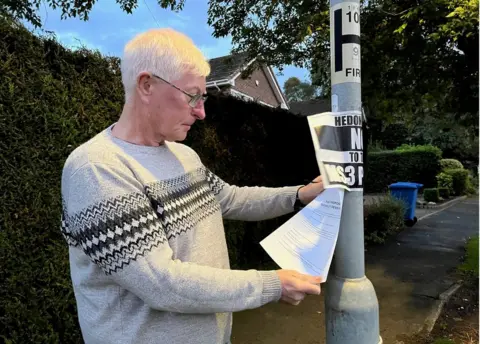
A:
(165, 52)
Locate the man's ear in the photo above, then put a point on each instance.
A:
(144, 86)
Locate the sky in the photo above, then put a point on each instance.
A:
(109, 29)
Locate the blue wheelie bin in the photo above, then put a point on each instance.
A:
(408, 193)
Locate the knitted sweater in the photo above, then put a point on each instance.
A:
(147, 248)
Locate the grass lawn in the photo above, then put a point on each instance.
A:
(470, 265)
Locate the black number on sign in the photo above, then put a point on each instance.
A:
(355, 17)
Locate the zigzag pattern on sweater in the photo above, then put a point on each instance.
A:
(116, 231)
(215, 183)
(183, 202)
(65, 228)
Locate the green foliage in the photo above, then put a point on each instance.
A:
(470, 264)
(472, 184)
(52, 99)
(431, 195)
(296, 90)
(391, 136)
(28, 9)
(296, 31)
(445, 180)
(420, 148)
(460, 180)
(444, 192)
(383, 218)
(418, 58)
(454, 139)
(450, 164)
(419, 165)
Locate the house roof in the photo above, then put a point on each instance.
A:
(229, 67)
(226, 67)
(310, 107)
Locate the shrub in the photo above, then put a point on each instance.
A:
(383, 218)
(472, 184)
(431, 195)
(444, 193)
(450, 164)
(460, 180)
(445, 180)
(422, 148)
(419, 165)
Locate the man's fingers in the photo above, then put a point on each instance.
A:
(315, 279)
(297, 296)
(307, 287)
(309, 278)
(290, 300)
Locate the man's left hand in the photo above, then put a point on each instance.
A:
(309, 192)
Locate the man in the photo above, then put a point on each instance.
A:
(143, 216)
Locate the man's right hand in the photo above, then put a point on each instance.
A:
(296, 285)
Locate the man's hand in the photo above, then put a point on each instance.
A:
(296, 285)
(309, 192)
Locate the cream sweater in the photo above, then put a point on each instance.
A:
(148, 255)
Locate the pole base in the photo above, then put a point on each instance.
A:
(352, 314)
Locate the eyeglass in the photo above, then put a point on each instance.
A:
(194, 98)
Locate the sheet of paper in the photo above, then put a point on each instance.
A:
(306, 242)
(338, 142)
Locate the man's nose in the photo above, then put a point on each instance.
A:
(199, 111)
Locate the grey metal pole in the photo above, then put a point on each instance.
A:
(351, 305)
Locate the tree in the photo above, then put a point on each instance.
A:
(296, 90)
(418, 57)
(28, 9)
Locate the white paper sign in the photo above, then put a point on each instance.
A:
(306, 242)
(345, 42)
(338, 142)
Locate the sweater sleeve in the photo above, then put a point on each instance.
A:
(255, 203)
(108, 214)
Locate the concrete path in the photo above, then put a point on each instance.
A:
(408, 273)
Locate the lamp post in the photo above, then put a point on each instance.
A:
(352, 314)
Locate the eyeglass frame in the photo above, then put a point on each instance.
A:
(194, 98)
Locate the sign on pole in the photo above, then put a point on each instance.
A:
(345, 36)
(338, 141)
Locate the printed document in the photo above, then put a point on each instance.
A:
(306, 242)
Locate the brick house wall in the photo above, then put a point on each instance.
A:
(260, 86)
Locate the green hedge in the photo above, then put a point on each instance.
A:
(444, 192)
(460, 180)
(445, 180)
(419, 164)
(51, 100)
(450, 164)
(431, 195)
(383, 219)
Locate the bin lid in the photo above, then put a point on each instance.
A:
(405, 185)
